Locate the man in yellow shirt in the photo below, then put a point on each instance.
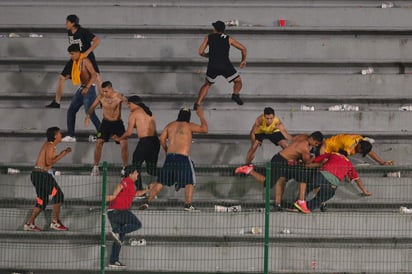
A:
(267, 126)
(351, 144)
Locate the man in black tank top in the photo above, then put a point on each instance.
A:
(219, 63)
(87, 42)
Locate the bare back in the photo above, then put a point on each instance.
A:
(47, 151)
(298, 149)
(179, 135)
(111, 106)
(145, 124)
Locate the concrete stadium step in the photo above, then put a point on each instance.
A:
(393, 121)
(213, 188)
(189, 257)
(258, 84)
(218, 150)
(201, 14)
(327, 236)
(260, 47)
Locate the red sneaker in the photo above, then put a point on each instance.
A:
(31, 227)
(246, 169)
(57, 225)
(301, 206)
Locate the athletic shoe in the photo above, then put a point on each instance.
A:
(53, 104)
(189, 207)
(95, 171)
(122, 172)
(195, 106)
(69, 139)
(323, 207)
(246, 169)
(116, 237)
(117, 265)
(236, 98)
(31, 227)
(58, 226)
(301, 206)
(277, 208)
(143, 206)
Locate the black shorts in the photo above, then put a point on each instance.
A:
(290, 170)
(177, 169)
(227, 71)
(274, 137)
(67, 70)
(46, 186)
(147, 150)
(109, 128)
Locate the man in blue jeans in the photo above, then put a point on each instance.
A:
(84, 71)
(122, 220)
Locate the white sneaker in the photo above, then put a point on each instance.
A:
(69, 139)
(95, 171)
(117, 265)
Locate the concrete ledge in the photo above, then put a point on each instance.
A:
(180, 255)
(177, 223)
(205, 151)
(211, 188)
(207, 259)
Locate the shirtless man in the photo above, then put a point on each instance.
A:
(112, 123)
(42, 178)
(176, 139)
(284, 166)
(267, 126)
(87, 42)
(147, 150)
(85, 95)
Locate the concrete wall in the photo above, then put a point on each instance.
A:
(240, 122)
(291, 48)
(212, 190)
(258, 84)
(198, 14)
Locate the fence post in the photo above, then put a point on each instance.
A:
(103, 220)
(267, 213)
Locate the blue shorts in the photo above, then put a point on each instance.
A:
(177, 170)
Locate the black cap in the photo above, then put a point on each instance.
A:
(128, 170)
(219, 26)
(134, 99)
